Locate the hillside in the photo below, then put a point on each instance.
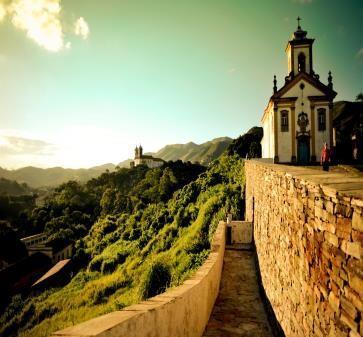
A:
(13, 188)
(248, 144)
(137, 231)
(37, 177)
(202, 153)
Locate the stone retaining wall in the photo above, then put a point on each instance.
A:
(308, 232)
(180, 312)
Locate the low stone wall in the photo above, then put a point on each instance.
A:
(308, 232)
(180, 312)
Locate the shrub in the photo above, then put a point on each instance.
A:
(95, 264)
(155, 280)
(102, 293)
(109, 265)
(200, 243)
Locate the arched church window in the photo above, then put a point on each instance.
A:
(301, 59)
(284, 121)
(321, 119)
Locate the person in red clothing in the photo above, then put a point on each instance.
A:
(325, 157)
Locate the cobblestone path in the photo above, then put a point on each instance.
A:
(238, 310)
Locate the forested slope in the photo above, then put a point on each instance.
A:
(136, 232)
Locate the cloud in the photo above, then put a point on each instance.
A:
(40, 20)
(43, 22)
(11, 145)
(2, 11)
(360, 54)
(81, 28)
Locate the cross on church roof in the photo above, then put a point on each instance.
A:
(298, 22)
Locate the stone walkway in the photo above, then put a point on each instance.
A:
(238, 310)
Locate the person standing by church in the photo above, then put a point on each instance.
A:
(325, 157)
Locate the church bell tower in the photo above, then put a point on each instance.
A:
(299, 52)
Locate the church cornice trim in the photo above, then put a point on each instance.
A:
(308, 78)
(318, 99)
(285, 100)
(299, 43)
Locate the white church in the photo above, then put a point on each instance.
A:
(298, 118)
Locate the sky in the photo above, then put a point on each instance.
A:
(84, 81)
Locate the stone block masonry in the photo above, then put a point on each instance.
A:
(308, 232)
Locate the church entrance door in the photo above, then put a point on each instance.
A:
(303, 150)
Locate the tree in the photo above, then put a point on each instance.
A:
(11, 248)
(359, 97)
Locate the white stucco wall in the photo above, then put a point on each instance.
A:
(267, 143)
(180, 312)
(284, 138)
(148, 161)
(65, 253)
(321, 136)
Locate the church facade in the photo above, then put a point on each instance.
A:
(298, 118)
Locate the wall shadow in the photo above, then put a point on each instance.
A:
(274, 323)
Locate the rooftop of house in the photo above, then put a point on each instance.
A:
(52, 271)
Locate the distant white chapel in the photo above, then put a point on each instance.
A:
(142, 159)
(298, 118)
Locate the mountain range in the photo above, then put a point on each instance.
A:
(38, 177)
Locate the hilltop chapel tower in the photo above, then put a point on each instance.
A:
(298, 118)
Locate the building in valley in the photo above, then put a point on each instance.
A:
(142, 159)
(298, 118)
(34, 240)
(38, 243)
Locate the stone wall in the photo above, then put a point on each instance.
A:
(308, 232)
(180, 312)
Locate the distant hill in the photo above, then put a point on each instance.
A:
(13, 188)
(125, 163)
(37, 177)
(203, 153)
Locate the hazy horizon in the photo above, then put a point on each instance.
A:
(113, 163)
(82, 82)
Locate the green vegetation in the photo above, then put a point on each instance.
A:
(11, 248)
(17, 210)
(136, 232)
(248, 145)
(347, 121)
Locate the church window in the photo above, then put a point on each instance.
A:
(321, 119)
(301, 59)
(284, 121)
